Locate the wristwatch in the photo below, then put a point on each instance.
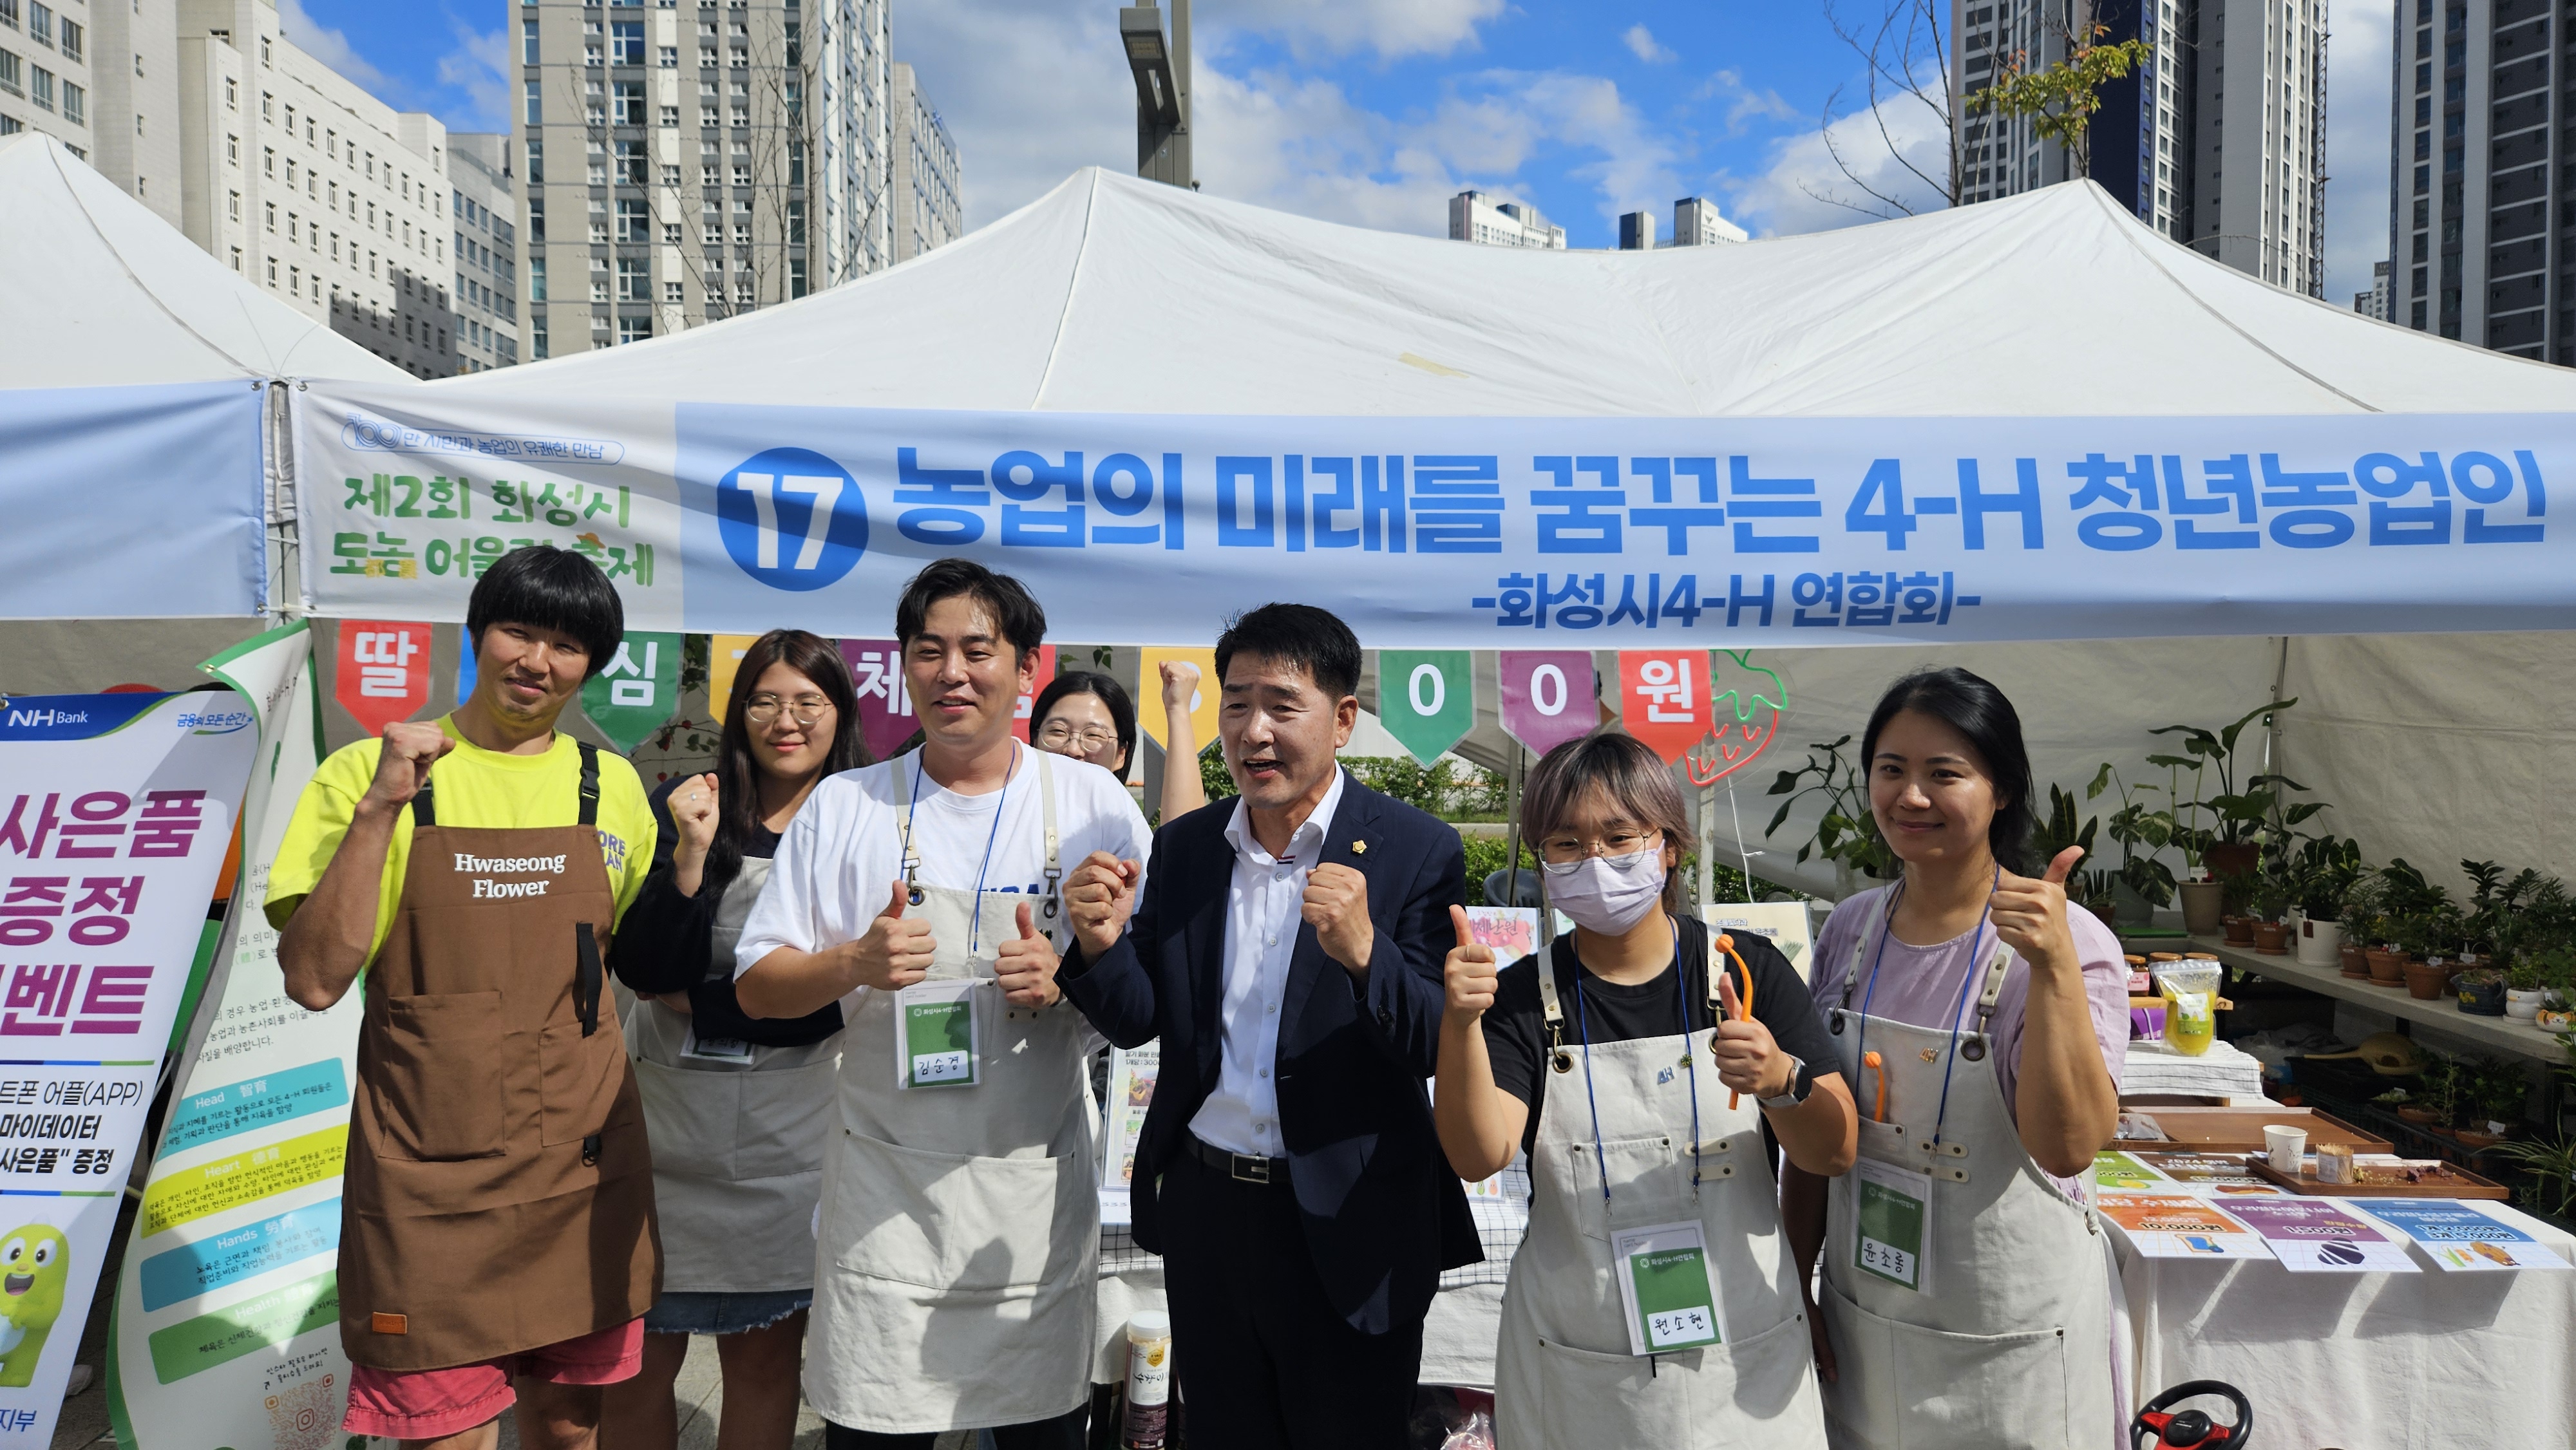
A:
(1799, 1086)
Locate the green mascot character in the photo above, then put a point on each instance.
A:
(35, 1264)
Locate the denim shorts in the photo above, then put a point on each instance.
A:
(723, 1313)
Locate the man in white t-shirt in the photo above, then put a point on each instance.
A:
(959, 1231)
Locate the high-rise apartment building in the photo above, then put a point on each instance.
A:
(2373, 304)
(1637, 231)
(1697, 223)
(2158, 143)
(303, 182)
(484, 210)
(929, 181)
(1476, 217)
(137, 101)
(2478, 197)
(45, 80)
(693, 159)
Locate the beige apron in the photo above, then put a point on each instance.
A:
(2009, 1344)
(960, 1230)
(737, 1145)
(1563, 1375)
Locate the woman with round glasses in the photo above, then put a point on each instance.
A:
(737, 1108)
(1653, 1301)
(1088, 717)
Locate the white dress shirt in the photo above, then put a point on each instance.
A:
(1263, 913)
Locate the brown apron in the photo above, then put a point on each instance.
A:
(499, 1194)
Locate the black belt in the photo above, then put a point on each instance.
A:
(1241, 1167)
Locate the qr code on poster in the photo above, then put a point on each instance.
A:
(305, 1416)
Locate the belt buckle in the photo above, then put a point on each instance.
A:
(1249, 1170)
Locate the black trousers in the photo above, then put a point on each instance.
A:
(1064, 1432)
(1265, 1361)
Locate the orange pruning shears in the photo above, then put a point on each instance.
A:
(1743, 1001)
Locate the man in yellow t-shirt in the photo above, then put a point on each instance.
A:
(497, 1210)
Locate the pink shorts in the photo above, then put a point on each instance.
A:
(425, 1404)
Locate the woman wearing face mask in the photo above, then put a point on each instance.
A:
(737, 1108)
(1966, 1297)
(1639, 1080)
(1087, 716)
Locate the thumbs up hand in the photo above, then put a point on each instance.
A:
(1026, 965)
(2030, 915)
(1748, 1059)
(897, 949)
(1469, 974)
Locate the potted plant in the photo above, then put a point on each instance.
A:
(2324, 874)
(2481, 991)
(2236, 905)
(2057, 831)
(2497, 1093)
(2361, 922)
(1847, 833)
(2239, 813)
(2436, 1094)
(2524, 991)
(2270, 898)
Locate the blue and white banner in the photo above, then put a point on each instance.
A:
(1467, 532)
(132, 503)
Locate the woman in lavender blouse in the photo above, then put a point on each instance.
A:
(1965, 1292)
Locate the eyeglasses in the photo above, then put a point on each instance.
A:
(1571, 850)
(804, 709)
(1058, 735)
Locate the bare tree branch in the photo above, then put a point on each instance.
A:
(1896, 48)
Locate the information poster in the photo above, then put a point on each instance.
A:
(1122, 1126)
(2320, 1236)
(2459, 1236)
(2222, 1172)
(115, 815)
(1783, 923)
(2119, 1172)
(226, 1329)
(2180, 1226)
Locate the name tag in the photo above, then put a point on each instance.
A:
(1893, 1224)
(1664, 1285)
(730, 1050)
(938, 1034)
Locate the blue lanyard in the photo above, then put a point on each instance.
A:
(975, 915)
(1583, 1022)
(1886, 928)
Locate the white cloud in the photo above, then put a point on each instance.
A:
(480, 67)
(1392, 29)
(1799, 191)
(2357, 142)
(1742, 102)
(329, 47)
(1031, 89)
(1643, 45)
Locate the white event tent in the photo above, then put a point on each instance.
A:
(105, 294)
(1111, 294)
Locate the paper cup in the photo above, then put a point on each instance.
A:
(2286, 1146)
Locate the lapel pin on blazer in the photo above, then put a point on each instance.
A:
(1359, 848)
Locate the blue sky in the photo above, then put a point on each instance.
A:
(1374, 111)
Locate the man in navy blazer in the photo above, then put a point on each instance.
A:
(1287, 950)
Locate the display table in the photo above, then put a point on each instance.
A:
(2424, 1361)
(2491, 1034)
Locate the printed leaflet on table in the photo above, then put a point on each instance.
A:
(2456, 1235)
(2321, 1236)
(2179, 1226)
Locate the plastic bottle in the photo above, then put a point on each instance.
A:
(1149, 1380)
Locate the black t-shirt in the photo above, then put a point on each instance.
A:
(666, 941)
(1516, 1025)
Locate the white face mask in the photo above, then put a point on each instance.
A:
(1607, 894)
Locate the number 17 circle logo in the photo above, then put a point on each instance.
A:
(792, 518)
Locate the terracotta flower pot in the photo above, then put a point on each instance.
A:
(2272, 938)
(2387, 968)
(2416, 1115)
(2425, 981)
(2240, 930)
(2354, 958)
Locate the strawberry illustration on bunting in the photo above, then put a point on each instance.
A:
(1744, 719)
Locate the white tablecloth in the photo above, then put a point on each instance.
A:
(2423, 1361)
